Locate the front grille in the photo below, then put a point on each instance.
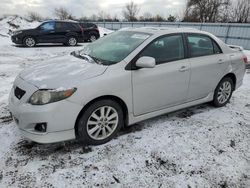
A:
(19, 93)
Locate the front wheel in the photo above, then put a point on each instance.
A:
(29, 42)
(100, 122)
(223, 92)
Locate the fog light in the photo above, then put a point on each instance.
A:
(41, 127)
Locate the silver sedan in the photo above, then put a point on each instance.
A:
(126, 77)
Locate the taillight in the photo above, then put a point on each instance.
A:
(245, 59)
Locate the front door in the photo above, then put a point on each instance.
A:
(47, 33)
(167, 83)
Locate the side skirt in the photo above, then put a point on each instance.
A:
(134, 119)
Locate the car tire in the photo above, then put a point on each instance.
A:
(223, 92)
(100, 122)
(72, 41)
(29, 41)
(92, 37)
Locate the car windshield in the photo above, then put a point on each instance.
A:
(114, 47)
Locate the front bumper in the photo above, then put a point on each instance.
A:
(60, 117)
(16, 39)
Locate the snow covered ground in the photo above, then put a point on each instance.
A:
(200, 146)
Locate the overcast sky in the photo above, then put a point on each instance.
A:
(81, 8)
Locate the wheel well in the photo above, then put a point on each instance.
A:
(110, 97)
(93, 33)
(233, 77)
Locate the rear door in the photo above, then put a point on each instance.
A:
(61, 31)
(208, 65)
(166, 84)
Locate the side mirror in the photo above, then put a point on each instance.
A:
(145, 62)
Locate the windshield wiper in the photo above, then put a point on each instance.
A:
(91, 58)
(85, 57)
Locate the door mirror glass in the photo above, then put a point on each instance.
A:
(145, 62)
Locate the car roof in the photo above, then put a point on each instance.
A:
(63, 21)
(165, 30)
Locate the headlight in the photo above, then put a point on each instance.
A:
(42, 97)
(17, 32)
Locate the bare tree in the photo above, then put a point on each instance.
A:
(242, 11)
(159, 18)
(34, 16)
(130, 11)
(205, 10)
(171, 18)
(63, 14)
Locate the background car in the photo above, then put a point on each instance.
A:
(90, 31)
(66, 32)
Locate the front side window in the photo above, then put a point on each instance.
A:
(114, 47)
(48, 26)
(200, 45)
(165, 49)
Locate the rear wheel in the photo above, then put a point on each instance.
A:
(100, 122)
(92, 37)
(223, 92)
(72, 41)
(29, 42)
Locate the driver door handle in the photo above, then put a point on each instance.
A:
(183, 69)
(52, 31)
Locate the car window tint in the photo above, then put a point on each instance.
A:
(48, 26)
(200, 45)
(165, 49)
(74, 26)
(217, 49)
(59, 25)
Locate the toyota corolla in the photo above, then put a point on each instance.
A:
(123, 78)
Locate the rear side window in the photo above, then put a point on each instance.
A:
(60, 25)
(201, 45)
(165, 49)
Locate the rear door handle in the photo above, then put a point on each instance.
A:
(183, 69)
(221, 61)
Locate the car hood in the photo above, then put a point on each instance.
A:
(65, 71)
(24, 30)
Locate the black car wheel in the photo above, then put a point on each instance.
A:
(92, 37)
(72, 41)
(100, 122)
(29, 42)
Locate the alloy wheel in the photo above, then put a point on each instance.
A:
(102, 122)
(224, 92)
(30, 42)
(72, 41)
(92, 38)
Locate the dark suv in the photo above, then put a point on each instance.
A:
(66, 32)
(90, 31)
